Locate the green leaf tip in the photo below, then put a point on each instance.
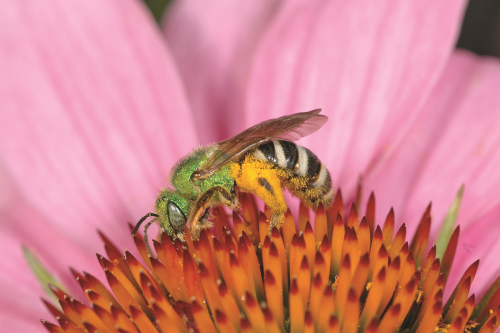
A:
(449, 224)
(41, 273)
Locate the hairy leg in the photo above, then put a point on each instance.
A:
(214, 197)
(265, 184)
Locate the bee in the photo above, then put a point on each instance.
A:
(260, 160)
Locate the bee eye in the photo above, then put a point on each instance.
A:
(163, 198)
(176, 217)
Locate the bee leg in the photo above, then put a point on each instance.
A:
(195, 231)
(196, 226)
(199, 220)
(265, 184)
(215, 196)
(230, 199)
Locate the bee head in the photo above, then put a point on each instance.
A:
(173, 211)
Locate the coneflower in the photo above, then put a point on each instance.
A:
(347, 274)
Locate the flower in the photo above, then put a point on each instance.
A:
(96, 108)
(250, 279)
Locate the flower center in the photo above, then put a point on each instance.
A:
(344, 275)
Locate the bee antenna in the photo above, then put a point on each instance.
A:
(142, 220)
(146, 240)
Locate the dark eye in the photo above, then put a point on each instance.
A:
(163, 198)
(176, 217)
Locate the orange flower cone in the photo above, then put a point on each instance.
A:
(344, 275)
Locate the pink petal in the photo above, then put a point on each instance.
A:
(368, 65)
(27, 227)
(20, 304)
(213, 46)
(21, 314)
(93, 113)
(454, 141)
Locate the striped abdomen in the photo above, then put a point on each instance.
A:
(307, 177)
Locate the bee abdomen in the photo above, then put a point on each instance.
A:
(301, 162)
(287, 155)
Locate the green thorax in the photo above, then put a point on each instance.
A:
(180, 176)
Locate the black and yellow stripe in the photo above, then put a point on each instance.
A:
(306, 177)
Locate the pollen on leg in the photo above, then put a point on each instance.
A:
(259, 178)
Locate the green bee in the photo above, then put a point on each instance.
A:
(260, 160)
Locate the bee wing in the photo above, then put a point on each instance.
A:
(291, 128)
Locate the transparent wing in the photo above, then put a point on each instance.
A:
(291, 128)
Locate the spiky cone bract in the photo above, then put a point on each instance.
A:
(345, 275)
